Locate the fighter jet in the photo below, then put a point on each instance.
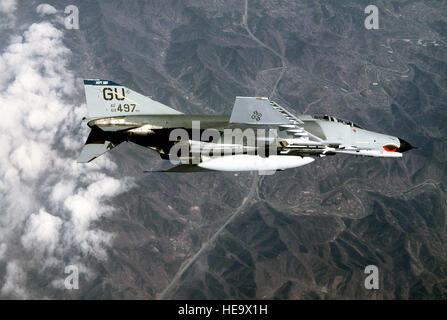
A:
(259, 135)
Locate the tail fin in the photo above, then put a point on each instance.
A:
(108, 99)
(97, 144)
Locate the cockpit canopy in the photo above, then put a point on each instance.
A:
(333, 119)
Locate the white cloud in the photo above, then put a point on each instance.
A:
(42, 232)
(2, 251)
(7, 9)
(8, 6)
(15, 280)
(61, 191)
(45, 8)
(30, 159)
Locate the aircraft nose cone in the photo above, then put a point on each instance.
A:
(404, 146)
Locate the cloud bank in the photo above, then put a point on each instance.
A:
(48, 202)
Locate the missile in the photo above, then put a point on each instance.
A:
(371, 153)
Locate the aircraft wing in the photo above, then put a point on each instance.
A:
(263, 112)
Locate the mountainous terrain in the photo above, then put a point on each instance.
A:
(305, 233)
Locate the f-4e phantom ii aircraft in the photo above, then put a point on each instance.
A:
(264, 135)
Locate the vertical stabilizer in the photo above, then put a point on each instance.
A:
(108, 99)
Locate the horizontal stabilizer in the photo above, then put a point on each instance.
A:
(96, 145)
(94, 150)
